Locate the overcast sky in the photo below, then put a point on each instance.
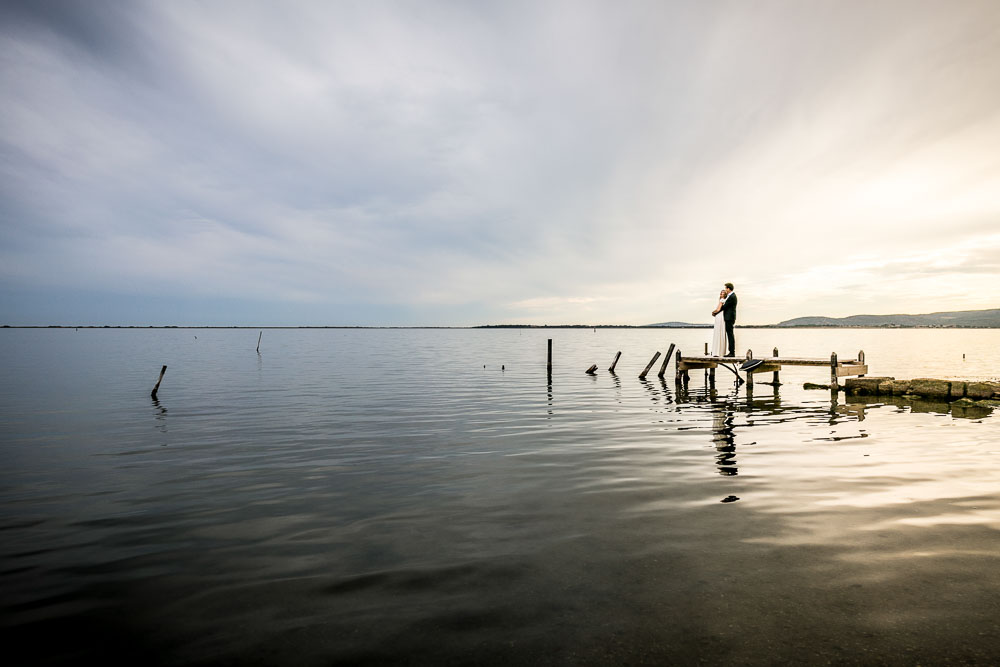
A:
(461, 163)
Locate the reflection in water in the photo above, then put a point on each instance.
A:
(160, 414)
(549, 410)
(735, 410)
(724, 438)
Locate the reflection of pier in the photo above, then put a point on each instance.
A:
(773, 364)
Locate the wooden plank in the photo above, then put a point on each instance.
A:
(695, 365)
(781, 361)
(855, 369)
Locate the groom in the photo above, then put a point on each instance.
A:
(729, 315)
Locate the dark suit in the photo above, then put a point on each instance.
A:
(729, 315)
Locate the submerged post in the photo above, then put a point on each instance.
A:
(774, 377)
(615, 362)
(642, 375)
(592, 370)
(833, 372)
(157, 387)
(666, 359)
(549, 365)
(258, 341)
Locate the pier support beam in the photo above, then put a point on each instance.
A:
(774, 378)
(833, 373)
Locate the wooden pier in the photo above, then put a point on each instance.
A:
(838, 368)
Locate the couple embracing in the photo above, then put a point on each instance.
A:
(725, 318)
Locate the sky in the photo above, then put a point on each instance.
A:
(461, 163)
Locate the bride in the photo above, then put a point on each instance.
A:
(718, 348)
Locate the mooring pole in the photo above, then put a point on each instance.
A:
(157, 387)
(642, 375)
(615, 362)
(549, 365)
(258, 341)
(666, 358)
(774, 378)
(677, 367)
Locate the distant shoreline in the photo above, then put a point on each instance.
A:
(489, 326)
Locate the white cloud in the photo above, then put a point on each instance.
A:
(522, 162)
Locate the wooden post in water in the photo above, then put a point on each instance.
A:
(774, 378)
(258, 341)
(677, 367)
(615, 362)
(706, 348)
(833, 372)
(592, 370)
(157, 387)
(549, 365)
(666, 358)
(642, 375)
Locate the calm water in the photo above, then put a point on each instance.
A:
(379, 496)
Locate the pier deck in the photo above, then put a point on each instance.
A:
(838, 368)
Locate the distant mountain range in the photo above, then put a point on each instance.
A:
(957, 318)
(988, 319)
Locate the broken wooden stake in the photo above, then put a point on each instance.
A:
(258, 341)
(615, 362)
(157, 387)
(592, 370)
(666, 358)
(642, 375)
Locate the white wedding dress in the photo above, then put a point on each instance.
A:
(718, 348)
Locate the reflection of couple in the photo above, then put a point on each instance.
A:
(725, 318)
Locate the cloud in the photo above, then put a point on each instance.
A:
(519, 162)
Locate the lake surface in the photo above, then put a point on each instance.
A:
(396, 497)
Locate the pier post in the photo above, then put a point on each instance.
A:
(711, 377)
(677, 367)
(706, 348)
(642, 375)
(774, 378)
(615, 362)
(666, 358)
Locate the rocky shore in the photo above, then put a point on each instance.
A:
(926, 388)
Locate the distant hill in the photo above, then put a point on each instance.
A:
(680, 325)
(959, 318)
